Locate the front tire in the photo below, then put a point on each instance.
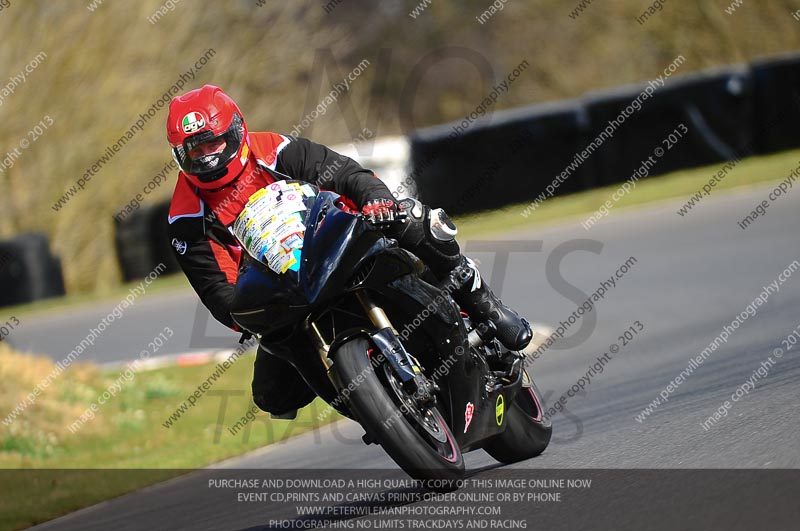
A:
(527, 432)
(383, 419)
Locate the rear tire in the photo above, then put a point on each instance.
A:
(527, 432)
(383, 420)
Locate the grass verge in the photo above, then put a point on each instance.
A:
(127, 431)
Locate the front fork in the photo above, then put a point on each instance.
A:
(402, 362)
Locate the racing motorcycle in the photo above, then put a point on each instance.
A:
(388, 345)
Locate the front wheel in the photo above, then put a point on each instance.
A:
(527, 432)
(416, 439)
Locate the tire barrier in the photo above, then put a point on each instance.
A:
(715, 109)
(492, 164)
(28, 270)
(727, 113)
(141, 242)
(777, 104)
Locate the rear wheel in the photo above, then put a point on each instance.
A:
(527, 432)
(417, 439)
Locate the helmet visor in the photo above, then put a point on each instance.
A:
(206, 155)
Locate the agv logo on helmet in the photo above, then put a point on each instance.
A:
(193, 122)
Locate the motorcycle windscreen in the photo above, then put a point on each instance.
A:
(272, 226)
(333, 248)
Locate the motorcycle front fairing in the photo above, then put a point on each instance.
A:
(336, 244)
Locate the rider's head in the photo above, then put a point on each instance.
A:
(208, 137)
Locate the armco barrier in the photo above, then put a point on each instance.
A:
(729, 112)
(28, 270)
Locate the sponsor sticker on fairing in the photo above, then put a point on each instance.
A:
(468, 415)
(500, 410)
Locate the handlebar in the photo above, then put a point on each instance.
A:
(400, 217)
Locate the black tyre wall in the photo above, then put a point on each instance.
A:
(512, 156)
(28, 270)
(141, 242)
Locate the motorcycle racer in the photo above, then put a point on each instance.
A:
(222, 164)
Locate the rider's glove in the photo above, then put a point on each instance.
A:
(382, 211)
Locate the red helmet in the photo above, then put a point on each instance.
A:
(208, 137)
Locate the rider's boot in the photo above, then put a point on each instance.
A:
(475, 297)
(431, 236)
